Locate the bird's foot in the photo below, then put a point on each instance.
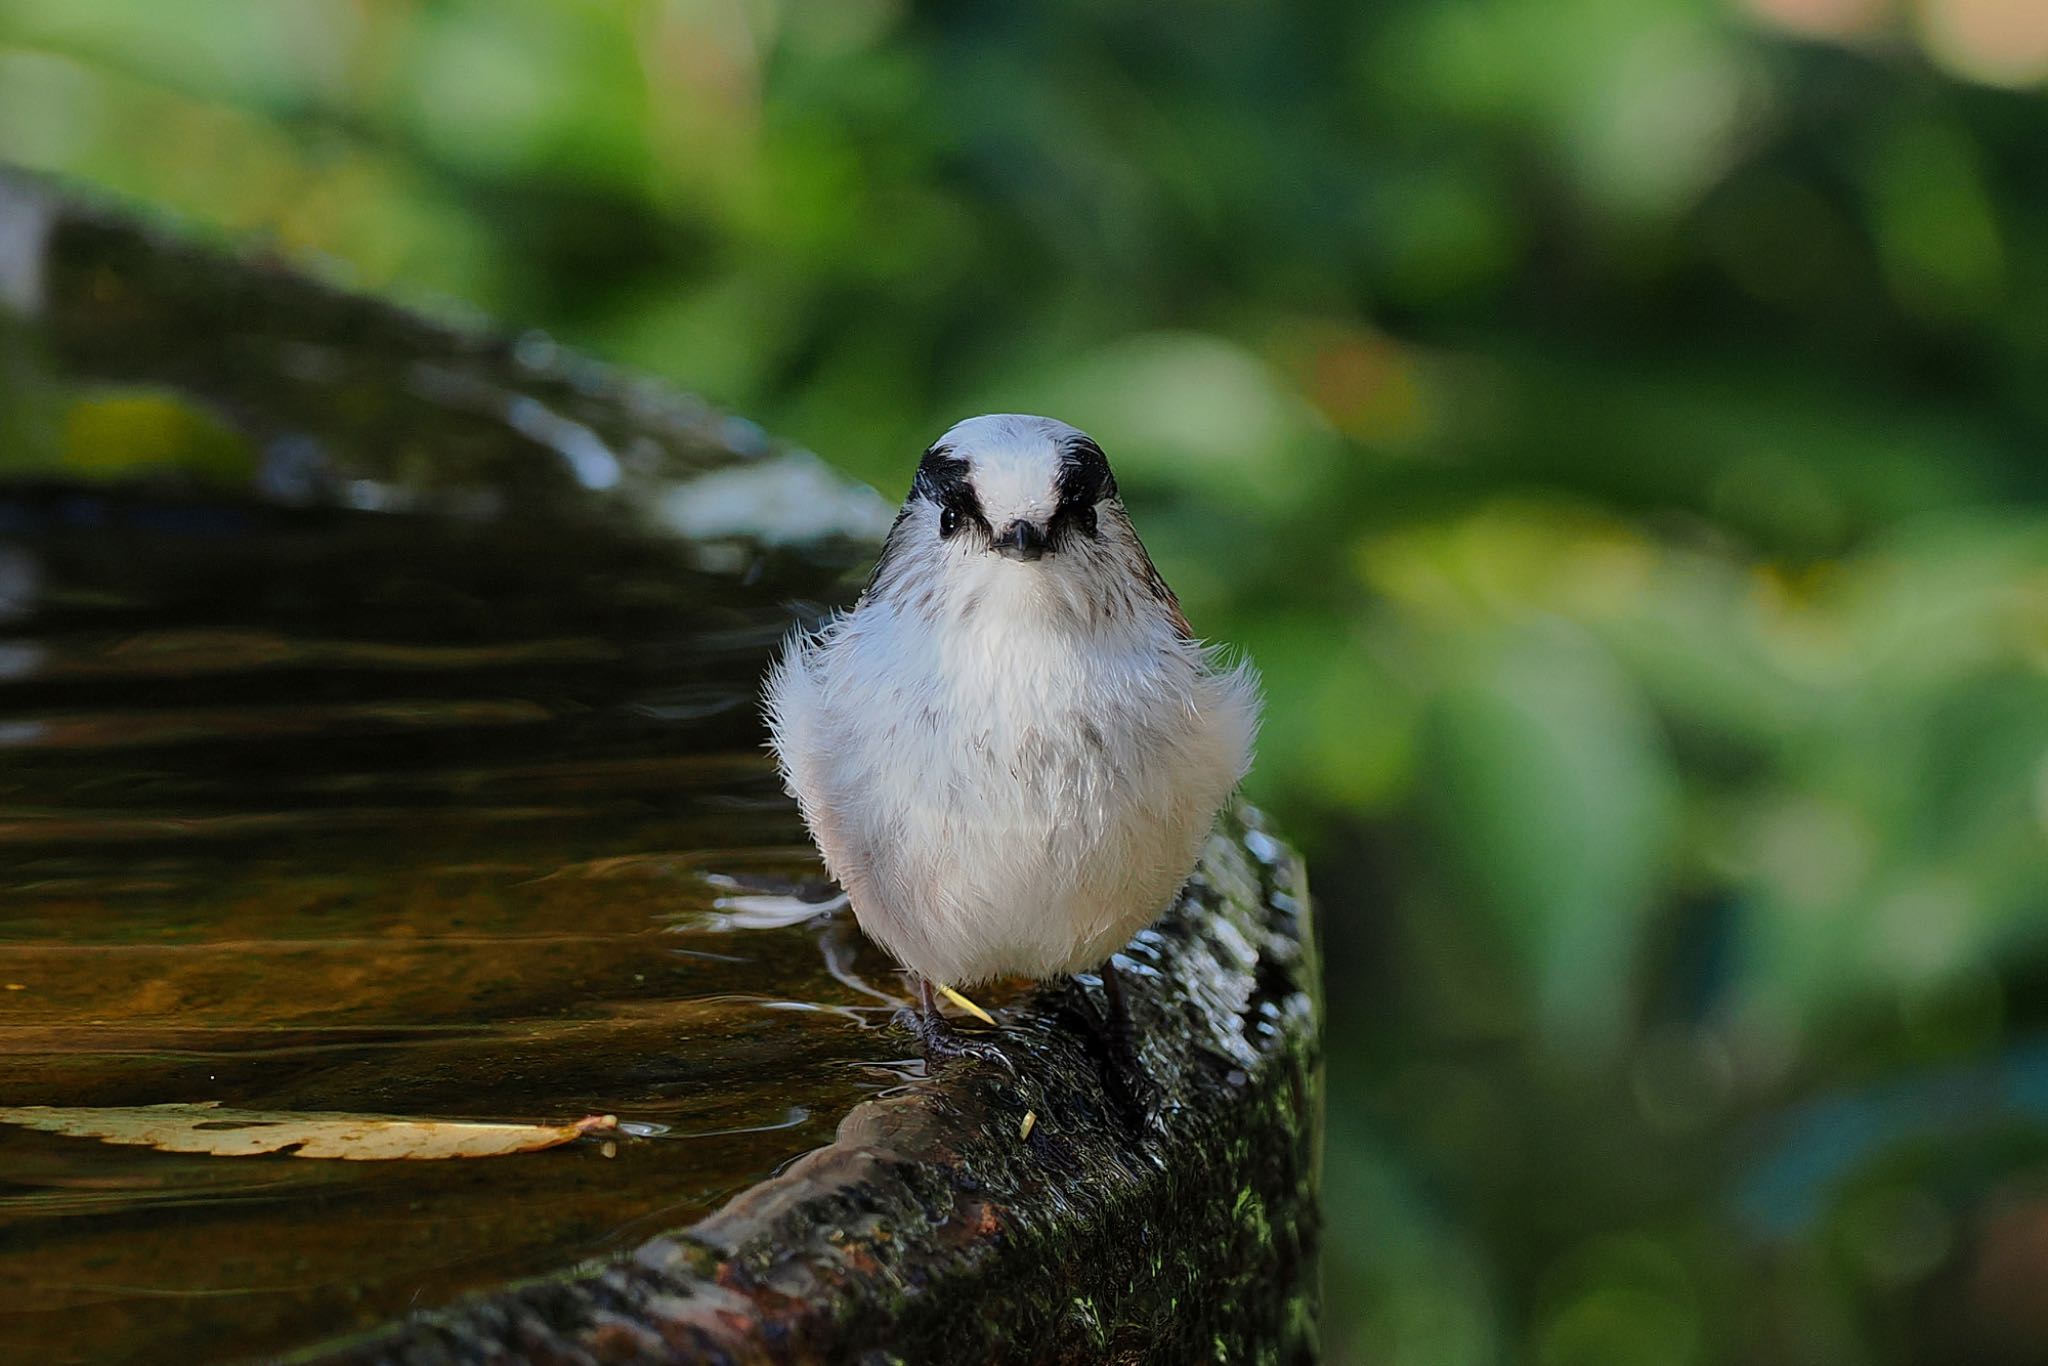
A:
(1113, 1044)
(945, 1042)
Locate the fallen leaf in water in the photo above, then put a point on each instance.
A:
(208, 1128)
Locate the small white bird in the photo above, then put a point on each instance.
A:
(1011, 749)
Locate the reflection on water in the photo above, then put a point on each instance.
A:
(365, 800)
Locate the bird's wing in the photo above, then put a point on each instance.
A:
(1159, 590)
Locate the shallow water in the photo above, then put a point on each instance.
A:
(396, 761)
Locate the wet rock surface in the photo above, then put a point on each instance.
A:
(377, 700)
(1017, 1212)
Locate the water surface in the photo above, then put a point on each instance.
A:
(377, 734)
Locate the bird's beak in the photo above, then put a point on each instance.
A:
(1020, 540)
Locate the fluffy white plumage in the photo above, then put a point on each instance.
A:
(1008, 760)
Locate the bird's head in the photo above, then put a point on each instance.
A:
(1023, 512)
(1019, 487)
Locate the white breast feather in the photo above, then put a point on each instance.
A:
(1011, 771)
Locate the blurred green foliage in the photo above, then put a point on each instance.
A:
(1615, 427)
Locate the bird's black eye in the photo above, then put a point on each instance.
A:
(949, 522)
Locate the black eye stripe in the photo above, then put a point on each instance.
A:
(942, 479)
(1084, 478)
(1082, 481)
(939, 474)
(962, 503)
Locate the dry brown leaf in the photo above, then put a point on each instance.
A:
(207, 1127)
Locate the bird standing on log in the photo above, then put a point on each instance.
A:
(1011, 749)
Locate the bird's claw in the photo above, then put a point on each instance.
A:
(944, 1043)
(1118, 1063)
